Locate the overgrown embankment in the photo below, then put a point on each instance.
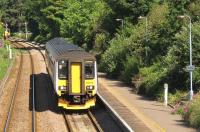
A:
(4, 61)
(4, 55)
(189, 110)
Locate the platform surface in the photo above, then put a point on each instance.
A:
(140, 113)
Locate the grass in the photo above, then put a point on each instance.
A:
(4, 61)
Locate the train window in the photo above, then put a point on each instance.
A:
(89, 70)
(63, 70)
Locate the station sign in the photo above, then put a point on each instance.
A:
(1, 43)
(190, 68)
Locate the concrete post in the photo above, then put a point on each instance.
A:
(165, 94)
(10, 52)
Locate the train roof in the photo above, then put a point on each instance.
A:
(59, 48)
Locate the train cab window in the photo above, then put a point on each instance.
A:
(89, 70)
(63, 69)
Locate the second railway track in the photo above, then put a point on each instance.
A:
(14, 94)
(18, 92)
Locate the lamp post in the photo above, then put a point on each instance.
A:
(122, 22)
(19, 26)
(190, 68)
(26, 29)
(146, 32)
(146, 25)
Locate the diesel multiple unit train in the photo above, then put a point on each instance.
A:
(73, 73)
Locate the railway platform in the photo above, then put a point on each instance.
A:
(141, 114)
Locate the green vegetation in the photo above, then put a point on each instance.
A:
(192, 114)
(190, 111)
(129, 53)
(22, 35)
(4, 60)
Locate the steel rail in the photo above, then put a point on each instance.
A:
(94, 121)
(33, 94)
(67, 122)
(14, 94)
(33, 91)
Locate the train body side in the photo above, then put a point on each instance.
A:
(73, 73)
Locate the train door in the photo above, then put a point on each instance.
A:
(76, 77)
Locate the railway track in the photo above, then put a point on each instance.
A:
(83, 121)
(88, 120)
(16, 87)
(14, 94)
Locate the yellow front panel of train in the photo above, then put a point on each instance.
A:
(62, 82)
(76, 78)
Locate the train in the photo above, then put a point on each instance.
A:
(73, 72)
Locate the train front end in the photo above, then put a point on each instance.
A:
(76, 83)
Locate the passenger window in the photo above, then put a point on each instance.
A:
(89, 70)
(63, 70)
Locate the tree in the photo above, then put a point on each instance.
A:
(14, 13)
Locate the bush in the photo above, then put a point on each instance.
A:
(112, 59)
(22, 35)
(192, 115)
(131, 68)
(127, 42)
(40, 39)
(190, 111)
(1, 31)
(173, 98)
(152, 80)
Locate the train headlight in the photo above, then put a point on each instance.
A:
(90, 87)
(63, 88)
